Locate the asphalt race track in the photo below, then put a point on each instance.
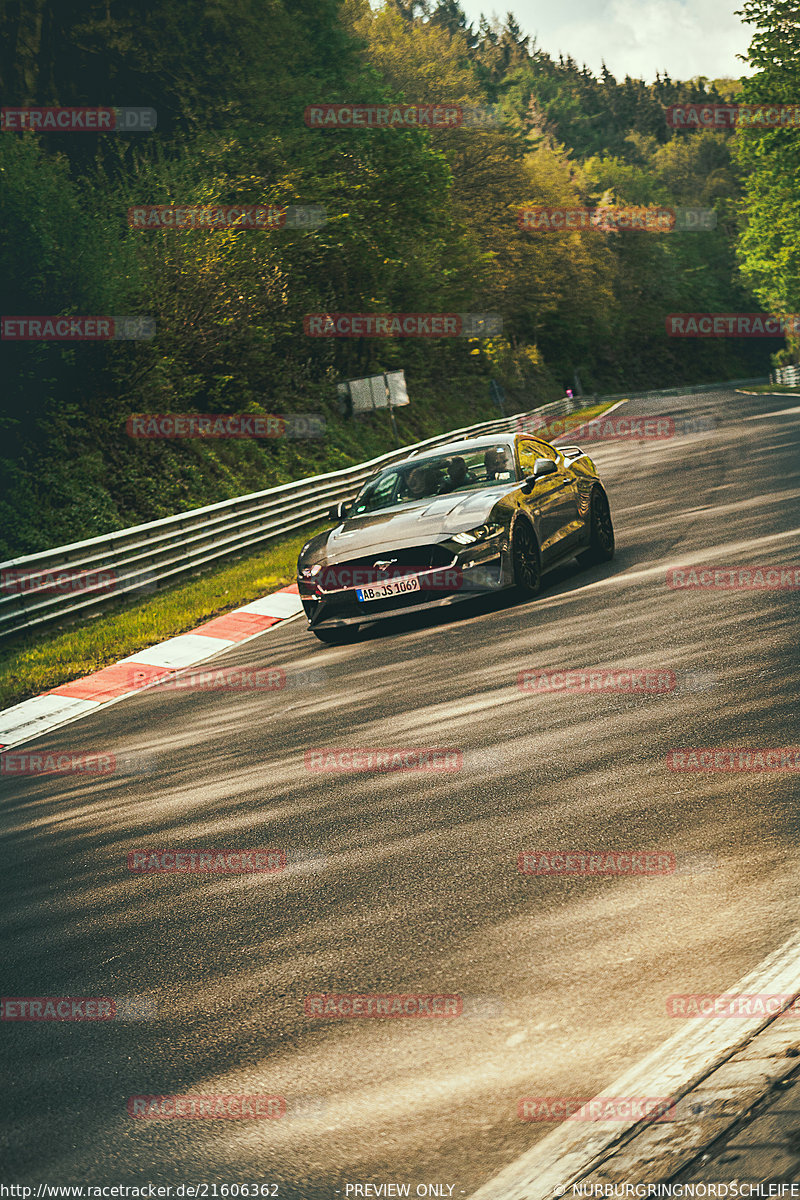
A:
(407, 882)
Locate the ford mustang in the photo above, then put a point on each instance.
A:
(476, 515)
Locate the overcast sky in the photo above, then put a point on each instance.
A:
(633, 37)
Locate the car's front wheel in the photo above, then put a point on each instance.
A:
(526, 560)
(601, 531)
(337, 635)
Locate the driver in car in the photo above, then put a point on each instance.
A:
(457, 474)
(496, 462)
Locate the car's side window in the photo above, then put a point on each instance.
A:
(528, 453)
(530, 450)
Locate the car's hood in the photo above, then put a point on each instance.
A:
(412, 524)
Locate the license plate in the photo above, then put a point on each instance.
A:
(392, 587)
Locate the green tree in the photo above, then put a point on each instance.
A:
(769, 245)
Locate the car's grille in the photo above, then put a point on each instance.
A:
(361, 572)
(434, 555)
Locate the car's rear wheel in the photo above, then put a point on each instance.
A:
(601, 531)
(337, 635)
(526, 559)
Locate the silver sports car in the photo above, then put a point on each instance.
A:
(472, 516)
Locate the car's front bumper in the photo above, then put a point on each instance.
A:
(478, 570)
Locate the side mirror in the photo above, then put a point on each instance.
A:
(339, 511)
(542, 467)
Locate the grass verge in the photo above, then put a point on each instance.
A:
(770, 389)
(40, 661)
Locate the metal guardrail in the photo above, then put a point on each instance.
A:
(788, 376)
(58, 583)
(136, 560)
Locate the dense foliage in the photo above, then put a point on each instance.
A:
(770, 162)
(418, 221)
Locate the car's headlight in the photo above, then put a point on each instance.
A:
(310, 572)
(477, 535)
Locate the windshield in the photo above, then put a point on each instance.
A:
(436, 476)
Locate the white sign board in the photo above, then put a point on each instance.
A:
(371, 393)
(398, 392)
